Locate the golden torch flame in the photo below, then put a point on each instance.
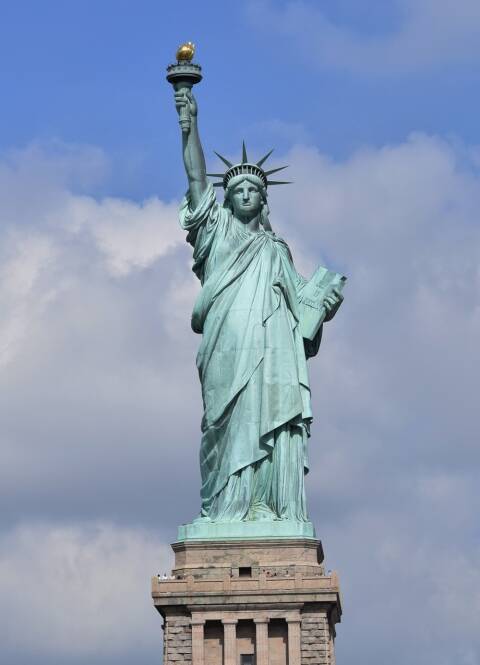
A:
(185, 52)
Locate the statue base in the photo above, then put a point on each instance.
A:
(240, 602)
(206, 530)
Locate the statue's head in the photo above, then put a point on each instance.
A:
(245, 186)
(245, 196)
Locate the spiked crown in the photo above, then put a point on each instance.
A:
(247, 168)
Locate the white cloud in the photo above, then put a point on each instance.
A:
(28, 259)
(89, 292)
(39, 236)
(80, 589)
(100, 403)
(430, 34)
(131, 236)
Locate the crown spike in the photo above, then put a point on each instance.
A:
(280, 168)
(216, 175)
(264, 159)
(218, 184)
(244, 153)
(225, 161)
(279, 182)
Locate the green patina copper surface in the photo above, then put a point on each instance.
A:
(260, 320)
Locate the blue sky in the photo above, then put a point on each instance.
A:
(375, 106)
(92, 72)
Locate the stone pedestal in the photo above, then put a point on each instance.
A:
(264, 602)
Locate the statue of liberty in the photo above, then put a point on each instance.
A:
(252, 359)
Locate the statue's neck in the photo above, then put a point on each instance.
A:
(252, 224)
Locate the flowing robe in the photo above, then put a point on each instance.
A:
(252, 367)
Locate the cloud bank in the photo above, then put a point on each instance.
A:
(78, 590)
(100, 405)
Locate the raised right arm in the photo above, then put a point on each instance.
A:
(193, 156)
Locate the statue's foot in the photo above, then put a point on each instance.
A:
(260, 512)
(201, 519)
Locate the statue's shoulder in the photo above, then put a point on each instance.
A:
(220, 215)
(281, 243)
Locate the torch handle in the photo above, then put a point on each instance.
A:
(184, 115)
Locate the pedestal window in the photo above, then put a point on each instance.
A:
(247, 659)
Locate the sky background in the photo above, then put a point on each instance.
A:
(375, 106)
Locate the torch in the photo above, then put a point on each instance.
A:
(183, 75)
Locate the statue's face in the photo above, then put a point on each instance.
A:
(246, 200)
